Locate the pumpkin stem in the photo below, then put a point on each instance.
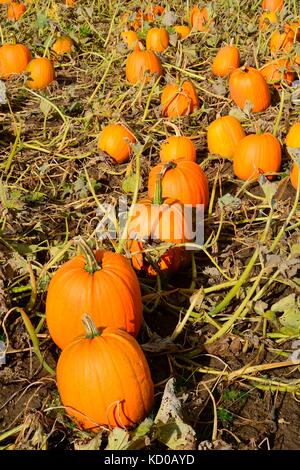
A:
(91, 330)
(157, 198)
(176, 129)
(92, 265)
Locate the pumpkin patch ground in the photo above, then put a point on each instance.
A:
(87, 114)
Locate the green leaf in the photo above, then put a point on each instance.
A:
(286, 303)
(41, 20)
(129, 183)
(118, 440)
(290, 322)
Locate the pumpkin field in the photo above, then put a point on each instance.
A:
(150, 225)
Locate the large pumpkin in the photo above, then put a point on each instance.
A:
(278, 71)
(224, 135)
(273, 5)
(41, 73)
(13, 59)
(139, 64)
(179, 100)
(248, 84)
(255, 155)
(103, 284)
(104, 380)
(157, 39)
(15, 11)
(116, 140)
(176, 147)
(226, 60)
(294, 175)
(182, 180)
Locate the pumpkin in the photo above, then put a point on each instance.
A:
(248, 84)
(116, 140)
(104, 380)
(101, 283)
(142, 63)
(257, 154)
(183, 31)
(226, 60)
(177, 147)
(293, 137)
(224, 135)
(131, 39)
(182, 180)
(201, 19)
(5, 2)
(157, 39)
(15, 11)
(273, 5)
(179, 100)
(295, 27)
(41, 73)
(266, 19)
(282, 40)
(13, 59)
(70, 3)
(278, 71)
(63, 45)
(152, 12)
(294, 175)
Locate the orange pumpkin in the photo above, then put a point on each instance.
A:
(41, 73)
(282, 40)
(201, 19)
(226, 60)
(295, 27)
(70, 3)
(13, 59)
(131, 39)
(116, 140)
(278, 71)
(15, 11)
(248, 84)
(103, 284)
(294, 175)
(267, 19)
(177, 147)
(183, 180)
(152, 12)
(63, 45)
(293, 137)
(224, 135)
(104, 380)
(255, 155)
(179, 100)
(142, 63)
(273, 5)
(5, 2)
(183, 31)
(157, 39)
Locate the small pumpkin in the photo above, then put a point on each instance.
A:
(226, 60)
(182, 180)
(293, 137)
(152, 12)
(104, 380)
(179, 100)
(157, 39)
(70, 3)
(294, 175)
(277, 72)
(142, 63)
(257, 154)
(248, 84)
(201, 19)
(13, 59)
(273, 5)
(41, 73)
(282, 40)
(267, 19)
(224, 135)
(63, 45)
(101, 283)
(177, 147)
(15, 11)
(183, 31)
(131, 39)
(116, 140)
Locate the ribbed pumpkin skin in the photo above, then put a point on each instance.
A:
(15, 11)
(277, 71)
(105, 381)
(187, 183)
(257, 154)
(131, 39)
(41, 73)
(226, 60)
(140, 63)
(183, 31)
(282, 41)
(293, 136)
(176, 147)
(13, 59)
(267, 19)
(63, 45)
(179, 100)
(273, 5)
(115, 140)
(248, 84)
(224, 135)
(294, 175)
(111, 296)
(157, 39)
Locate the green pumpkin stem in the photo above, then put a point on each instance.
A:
(158, 198)
(92, 265)
(91, 331)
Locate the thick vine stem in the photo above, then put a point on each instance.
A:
(91, 330)
(92, 265)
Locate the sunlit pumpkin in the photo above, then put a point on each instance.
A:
(101, 283)
(248, 84)
(183, 31)
(201, 19)
(294, 175)
(295, 27)
(179, 100)
(15, 11)
(278, 71)
(177, 147)
(140, 65)
(70, 3)
(63, 45)
(293, 137)
(282, 40)
(226, 60)
(40, 73)
(257, 154)
(116, 140)
(131, 39)
(157, 39)
(13, 59)
(273, 5)
(104, 380)
(267, 19)
(224, 135)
